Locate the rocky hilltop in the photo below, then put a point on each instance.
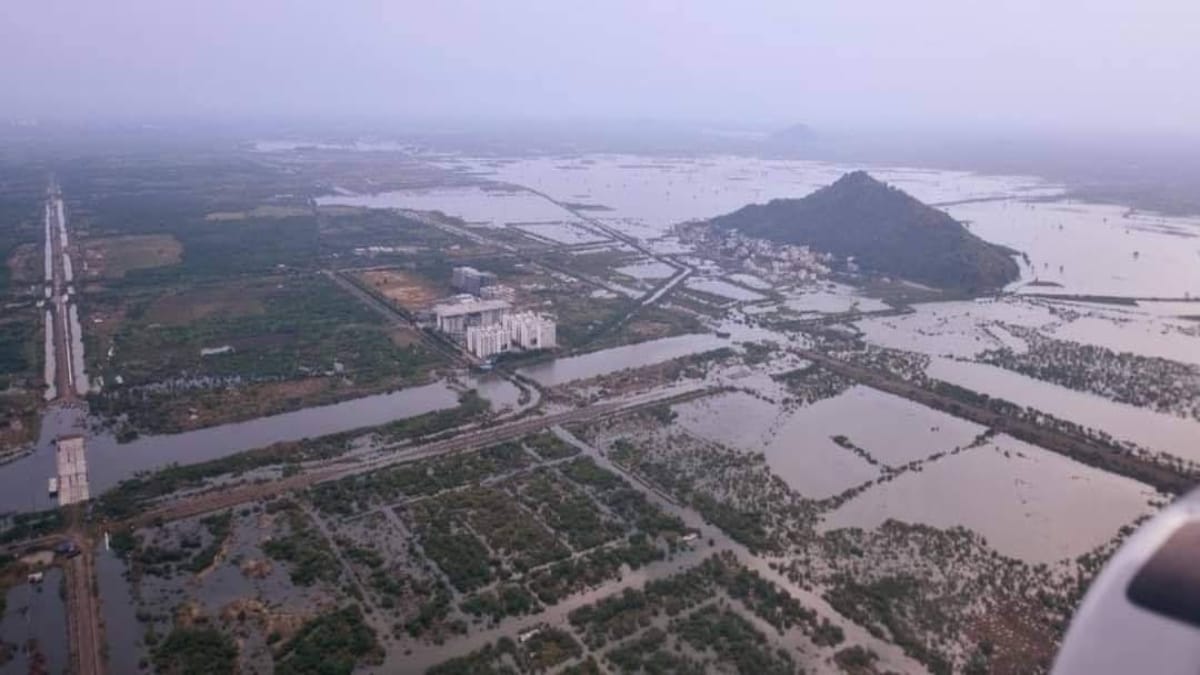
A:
(885, 230)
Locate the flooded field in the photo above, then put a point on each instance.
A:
(1028, 503)
(34, 627)
(561, 233)
(956, 329)
(800, 444)
(833, 299)
(1155, 431)
(650, 269)
(494, 207)
(724, 289)
(1132, 255)
(559, 371)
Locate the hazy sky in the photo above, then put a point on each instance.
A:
(1121, 65)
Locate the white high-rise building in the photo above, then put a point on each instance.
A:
(524, 330)
(531, 331)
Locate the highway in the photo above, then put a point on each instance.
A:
(84, 625)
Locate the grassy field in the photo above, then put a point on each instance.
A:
(184, 358)
(113, 257)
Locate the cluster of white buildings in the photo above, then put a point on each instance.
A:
(521, 330)
(485, 321)
(759, 255)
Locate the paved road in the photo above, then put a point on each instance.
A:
(64, 363)
(84, 623)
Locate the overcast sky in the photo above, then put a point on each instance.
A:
(1109, 65)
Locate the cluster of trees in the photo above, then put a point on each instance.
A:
(492, 514)
(194, 650)
(566, 511)
(649, 653)
(882, 607)
(550, 447)
(623, 499)
(458, 553)
(734, 640)
(1152, 382)
(335, 643)
(305, 551)
(548, 648)
(571, 576)
(504, 601)
(355, 494)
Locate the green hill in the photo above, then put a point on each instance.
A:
(884, 229)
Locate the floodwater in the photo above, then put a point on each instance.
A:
(472, 204)
(1155, 431)
(23, 482)
(799, 444)
(650, 269)
(958, 329)
(834, 299)
(724, 289)
(36, 612)
(562, 233)
(122, 631)
(1028, 503)
(1129, 255)
(558, 371)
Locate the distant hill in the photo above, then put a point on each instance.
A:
(884, 229)
(795, 137)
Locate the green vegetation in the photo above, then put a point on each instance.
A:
(880, 607)
(885, 230)
(196, 651)
(275, 329)
(506, 600)
(135, 494)
(567, 577)
(20, 345)
(331, 644)
(458, 553)
(22, 526)
(219, 527)
(561, 506)
(550, 447)
(649, 653)
(620, 615)
(509, 532)
(427, 477)
(856, 660)
(548, 648)
(304, 549)
(624, 500)
(734, 640)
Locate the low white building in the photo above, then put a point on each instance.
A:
(461, 312)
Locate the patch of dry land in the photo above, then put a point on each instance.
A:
(114, 257)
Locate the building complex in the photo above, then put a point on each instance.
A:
(484, 321)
